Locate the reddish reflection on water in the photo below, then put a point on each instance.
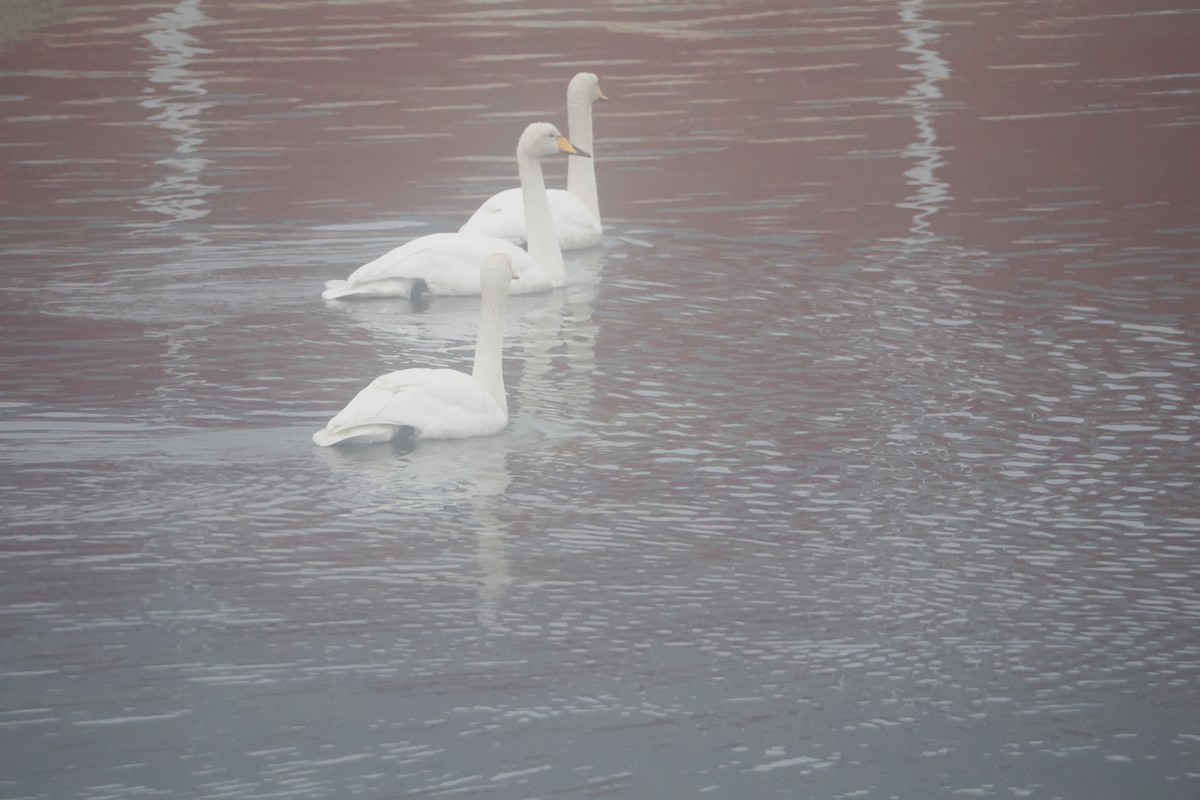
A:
(777, 119)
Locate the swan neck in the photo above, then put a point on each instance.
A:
(581, 172)
(488, 369)
(540, 236)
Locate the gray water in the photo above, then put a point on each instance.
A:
(859, 462)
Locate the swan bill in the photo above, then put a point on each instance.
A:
(564, 146)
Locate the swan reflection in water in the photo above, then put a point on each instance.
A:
(460, 477)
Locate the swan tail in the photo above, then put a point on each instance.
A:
(357, 434)
(334, 290)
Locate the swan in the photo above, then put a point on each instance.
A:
(438, 403)
(576, 210)
(448, 263)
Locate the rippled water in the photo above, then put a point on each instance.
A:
(860, 462)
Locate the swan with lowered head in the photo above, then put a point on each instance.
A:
(438, 403)
(576, 210)
(448, 263)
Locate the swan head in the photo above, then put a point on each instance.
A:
(497, 271)
(587, 86)
(541, 140)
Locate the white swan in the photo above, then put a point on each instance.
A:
(438, 403)
(448, 263)
(576, 210)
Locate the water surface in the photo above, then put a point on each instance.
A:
(860, 462)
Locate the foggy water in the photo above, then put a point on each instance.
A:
(860, 462)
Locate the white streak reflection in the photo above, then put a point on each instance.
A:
(931, 193)
(176, 99)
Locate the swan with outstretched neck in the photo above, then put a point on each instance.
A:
(576, 210)
(448, 263)
(437, 403)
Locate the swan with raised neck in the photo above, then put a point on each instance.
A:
(576, 210)
(438, 403)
